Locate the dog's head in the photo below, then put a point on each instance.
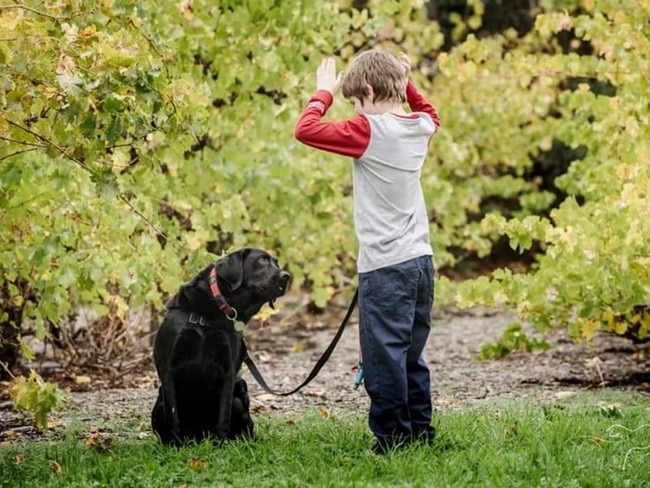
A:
(247, 279)
(251, 277)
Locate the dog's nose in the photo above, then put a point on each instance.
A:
(285, 276)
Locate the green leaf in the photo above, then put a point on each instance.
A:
(35, 395)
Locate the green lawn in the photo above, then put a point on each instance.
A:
(586, 441)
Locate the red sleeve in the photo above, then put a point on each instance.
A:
(347, 138)
(418, 103)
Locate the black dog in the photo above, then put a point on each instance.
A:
(199, 348)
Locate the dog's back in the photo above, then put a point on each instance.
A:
(199, 360)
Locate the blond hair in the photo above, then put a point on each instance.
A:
(382, 71)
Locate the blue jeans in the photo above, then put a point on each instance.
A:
(394, 322)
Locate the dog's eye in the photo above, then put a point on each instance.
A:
(263, 260)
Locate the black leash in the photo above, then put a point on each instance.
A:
(317, 367)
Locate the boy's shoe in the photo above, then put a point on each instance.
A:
(426, 437)
(386, 445)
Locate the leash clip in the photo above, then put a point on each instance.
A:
(359, 377)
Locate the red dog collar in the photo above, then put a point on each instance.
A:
(223, 305)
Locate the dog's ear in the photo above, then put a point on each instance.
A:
(231, 268)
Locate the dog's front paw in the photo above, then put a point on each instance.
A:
(248, 432)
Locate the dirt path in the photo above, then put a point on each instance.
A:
(285, 354)
(458, 377)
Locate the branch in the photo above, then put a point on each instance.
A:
(49, 143)
(6, 368)
(34, 11)
(144, 218)
(24, 143)
(17, 153)
(152, 44)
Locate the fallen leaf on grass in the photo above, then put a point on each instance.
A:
(324, 412)
(198, 463)
(259, 409)
(10, 433)
(563, 395)
(56, 467)
(98, 442)
(19, 459)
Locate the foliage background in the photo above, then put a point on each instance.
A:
(140, 139)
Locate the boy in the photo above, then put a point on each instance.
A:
(395, 257)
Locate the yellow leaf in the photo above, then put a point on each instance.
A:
(17, 301)
(193, 241)
(19, 458)
(186, 9)
(324, 412)
(645, 326)
(588, 329)
(98, 442)
(82, 380)
(265, 313)
(564, 22)
(475, 21)
(56, 467)
(198, 463)
(9, 20)
(619, 326)
(50, 91)
(608, 318)
(89, 31)
(25, 350)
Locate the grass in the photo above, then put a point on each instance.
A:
(585, 441)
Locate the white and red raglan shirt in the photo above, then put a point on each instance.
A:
(388, 151)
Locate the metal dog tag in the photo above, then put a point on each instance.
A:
(239, 325)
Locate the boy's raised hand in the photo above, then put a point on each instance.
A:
(326, 78)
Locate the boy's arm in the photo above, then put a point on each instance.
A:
(418, 103)
(347, 138)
